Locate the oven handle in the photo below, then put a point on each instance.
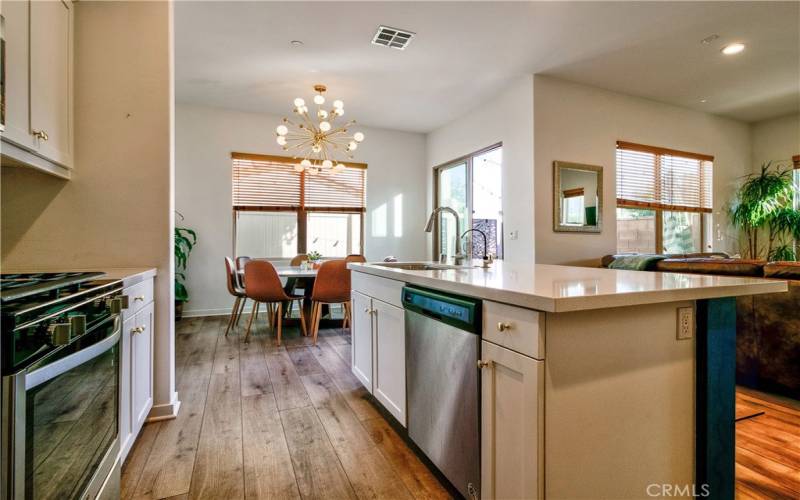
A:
(53, 370)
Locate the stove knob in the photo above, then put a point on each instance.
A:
(118, 304)
(61, 333)
(78, 324)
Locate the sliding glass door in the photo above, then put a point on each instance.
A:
(472, 186)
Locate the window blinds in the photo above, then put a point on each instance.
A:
(659, 178)
(270, 183)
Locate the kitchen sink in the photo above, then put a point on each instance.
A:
(422, 266)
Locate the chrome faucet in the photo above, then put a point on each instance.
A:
(458, 257)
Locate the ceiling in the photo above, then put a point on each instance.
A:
(238, 55)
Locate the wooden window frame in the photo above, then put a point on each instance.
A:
(659, 208)
(301, 211)
(466, 159)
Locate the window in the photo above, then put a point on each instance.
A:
(279, 213)
(472, 186)
(663, 196)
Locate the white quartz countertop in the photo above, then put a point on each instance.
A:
(568, 288)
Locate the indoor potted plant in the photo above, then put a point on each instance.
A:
(763, 209)
(314, 259)
(185, 240)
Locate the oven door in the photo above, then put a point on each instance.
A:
(65, 420)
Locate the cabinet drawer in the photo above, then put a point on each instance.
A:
(139, 295)
(386, 290)
(518, 329)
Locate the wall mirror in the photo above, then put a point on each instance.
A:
(577, 197)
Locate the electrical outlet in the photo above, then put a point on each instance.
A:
(685, 323)
(513, 235)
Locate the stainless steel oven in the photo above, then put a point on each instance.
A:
(60, 403)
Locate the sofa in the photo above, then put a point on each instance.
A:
(768, 326)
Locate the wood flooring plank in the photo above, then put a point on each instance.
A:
(316, 465)
(168, 471)
(268, 471)
(789, 477)
(286, 384)
(357, 397)
(305, 363)
(137, 458)
(766, 486)
(218, 469)
(254, 374)
(189, 325)
(369, 473)
(415, 475)
(767, 448)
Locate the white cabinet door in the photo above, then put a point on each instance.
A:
(512, 405)
(125, 425)
(361, 338)
(17, 34)
(142, 367)
(51, 79)
(390, 358)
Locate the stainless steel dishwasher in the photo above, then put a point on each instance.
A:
(442, 349)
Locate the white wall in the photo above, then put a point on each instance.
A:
(116, 211)
(506, 118)
(205, 138)
(581, 124)
(775, 140)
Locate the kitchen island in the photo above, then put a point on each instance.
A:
(595, 383)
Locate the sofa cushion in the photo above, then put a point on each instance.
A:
(783, 270)
(722, 267)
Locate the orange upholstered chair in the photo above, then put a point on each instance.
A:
(263, 285)
(235, 289)
(354, 257)
(332, 286)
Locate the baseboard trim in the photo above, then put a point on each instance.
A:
(194, 313)
(167, 411)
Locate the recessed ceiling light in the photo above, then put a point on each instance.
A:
(733, 48)
(296, 43)
(703, 100)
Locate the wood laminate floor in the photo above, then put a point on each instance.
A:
(260, 421)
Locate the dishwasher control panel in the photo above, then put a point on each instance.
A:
(458, 311)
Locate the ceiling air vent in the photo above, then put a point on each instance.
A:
(392, 37)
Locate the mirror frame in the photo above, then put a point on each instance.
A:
(557, 197)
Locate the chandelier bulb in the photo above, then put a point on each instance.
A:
(316, 148)
(319, 99)
(281, 140)
(324, 126)
(305, 163)
(338, 111)
(338, 104)
(327, 163)
(322, 114)
(358, 136)
(299, 168)
(352, 146)
(299, 102)
(282, 130)
(313, 171)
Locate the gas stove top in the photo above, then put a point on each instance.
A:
(17, 286)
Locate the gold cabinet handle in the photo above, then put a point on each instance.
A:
(139, 297)
(136, 330)
(484, 364)
(501, 326)
(40, 134)
(369, 311)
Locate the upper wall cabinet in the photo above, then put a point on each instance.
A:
(39, 90)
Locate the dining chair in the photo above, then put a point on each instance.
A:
(332, 286)
(235, 289)
(263, 285)
(291, 283)
(242, 261)
(354, 257)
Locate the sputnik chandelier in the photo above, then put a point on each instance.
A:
(315, 138)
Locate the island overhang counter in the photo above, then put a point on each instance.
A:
(595, 389)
